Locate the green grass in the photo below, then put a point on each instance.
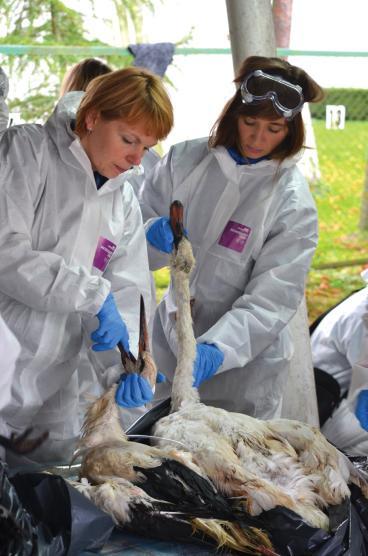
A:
(342, 157)
(161, 280)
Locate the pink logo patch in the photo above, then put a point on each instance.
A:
(235, 236)
(104, 252)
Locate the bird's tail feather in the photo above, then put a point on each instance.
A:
(249, 540)
(312, 515)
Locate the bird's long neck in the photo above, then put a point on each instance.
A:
(182, 263)
(102, 422)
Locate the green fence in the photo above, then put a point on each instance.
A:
(340, 126)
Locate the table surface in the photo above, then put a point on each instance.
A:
(126, 544)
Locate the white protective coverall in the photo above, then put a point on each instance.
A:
(92, 383)
(339, 340)
(64, 245)
(9, 351)
(253, 229)
(4, 110)
(149, 160)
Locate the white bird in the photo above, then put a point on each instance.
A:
(264, 463)
(256, 464)
(152, 490)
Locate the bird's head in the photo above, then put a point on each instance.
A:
(143, 364)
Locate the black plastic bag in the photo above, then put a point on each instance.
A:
(289, 533)
(17, 533)
(41, 514)
(348, 536)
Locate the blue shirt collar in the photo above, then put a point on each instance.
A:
(99, 179)
(241, 160)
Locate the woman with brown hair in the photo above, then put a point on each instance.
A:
(80, 75)
(252, 223)
(72, 245)
(77, 79)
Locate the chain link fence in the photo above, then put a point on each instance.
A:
(336, 162)
(340, 128)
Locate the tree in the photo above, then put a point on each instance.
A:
(129, 14)
(52, 23)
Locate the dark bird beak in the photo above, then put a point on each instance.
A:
(143, 344)
(126, 355)
(176, 221)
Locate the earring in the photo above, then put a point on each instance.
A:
(89, 130)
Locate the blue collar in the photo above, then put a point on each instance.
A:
(99, 179)
(241, 160)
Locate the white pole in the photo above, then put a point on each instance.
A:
(252, 33)
(300, 400)
(251, 29)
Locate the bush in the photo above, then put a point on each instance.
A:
(355, 101)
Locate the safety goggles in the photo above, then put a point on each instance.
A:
(286, 97)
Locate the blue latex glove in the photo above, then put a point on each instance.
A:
(361, 409)
(209, 359)
(112, 328)
(160, 235)
(134, 391)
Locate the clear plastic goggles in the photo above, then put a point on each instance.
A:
(286, 97)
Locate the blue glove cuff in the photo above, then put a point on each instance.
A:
(112, 329)
(209, 359)
(133, 391)
(361, 409)
(160, 235)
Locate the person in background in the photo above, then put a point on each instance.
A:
(252, 223)
(81, 74)
(72, 244)
(338, 342)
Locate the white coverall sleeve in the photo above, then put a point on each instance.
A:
(275, 288)
(9, 352)
(340, 339)
(4, 114)
(4, 110)
(129, 276)
(155, 198)
(128, 270)
(40, 280)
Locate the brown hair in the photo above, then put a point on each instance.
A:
(225, 130)
(132, 94)
(78, 77)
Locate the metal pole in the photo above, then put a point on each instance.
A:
(252, 33)
(251, 29)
